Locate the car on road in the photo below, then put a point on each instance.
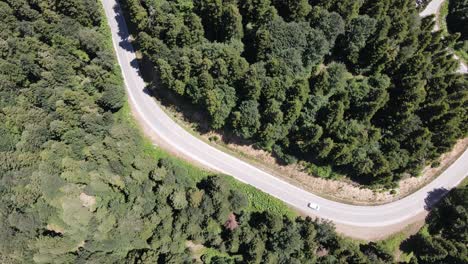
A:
(314, 206)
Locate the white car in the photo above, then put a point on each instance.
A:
(314, 206)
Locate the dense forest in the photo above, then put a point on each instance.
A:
(359, 87)
(76, 185)
(456, 20)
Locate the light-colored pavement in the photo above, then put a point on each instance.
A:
(161, 125)
(432, 9)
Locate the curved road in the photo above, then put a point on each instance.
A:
(160, 124)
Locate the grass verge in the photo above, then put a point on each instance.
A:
(464, 183)
(443, 12)
(393, 242)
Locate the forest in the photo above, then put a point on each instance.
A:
(456, 20)
(444, 238)
(77, 184)
(359, 87)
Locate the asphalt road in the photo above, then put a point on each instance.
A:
(177, 138)
(432, 8)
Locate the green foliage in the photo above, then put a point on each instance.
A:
(355, 38)
(363, 88)
(452, 17)
(80, 185)
(292, 10)
(246, 121)
(461, 50)
(449, 218)
(444, 238)
(441, 18)
(262, 202)
(213, 256)
(457, 18)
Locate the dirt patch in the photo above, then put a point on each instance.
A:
(195, 249)
(80, 245)
(55, 228)
(87, 201)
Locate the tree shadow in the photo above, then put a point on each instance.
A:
(434, 197)
(122, 29)
(134, 63)
(145, 68)
(192, 114)
(195, 115)
(414, 243)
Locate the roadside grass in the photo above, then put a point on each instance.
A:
(443, 12)
(393, 242)
(258, 200)
(464, 183)
(424, 231)
(105, 30)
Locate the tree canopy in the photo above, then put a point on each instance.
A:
(444, 238)
(457, 18)
(362, 87)
(79, 184)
